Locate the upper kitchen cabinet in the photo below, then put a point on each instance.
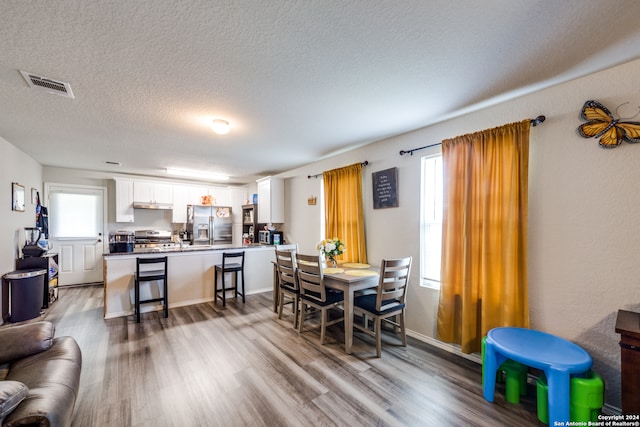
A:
(180, 202)
(270, 200)
(195, 194)
(237, 197)
(219, 195)
(152, 192)
(124, 200)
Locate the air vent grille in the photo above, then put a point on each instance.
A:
(48, 85)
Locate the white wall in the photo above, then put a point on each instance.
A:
(584, 209)
(18, 167)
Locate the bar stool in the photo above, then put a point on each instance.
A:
(156, 269)
(234, 266)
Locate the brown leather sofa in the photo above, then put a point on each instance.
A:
(39, 376)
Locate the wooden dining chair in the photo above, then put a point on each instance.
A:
(313, 292)
(387, 302)
(287, 283)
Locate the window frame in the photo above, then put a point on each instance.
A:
(429, 282)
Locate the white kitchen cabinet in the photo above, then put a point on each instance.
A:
(180, 202)
(238, 197)
(152, 192)
(195, 194)
(220, 196)
(270, 200)
(124, 200)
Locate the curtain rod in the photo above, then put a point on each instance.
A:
(365, 163)
(534, 122)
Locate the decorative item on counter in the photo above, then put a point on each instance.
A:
(331, 248)
(207, 200)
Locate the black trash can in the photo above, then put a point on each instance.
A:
(25, 288)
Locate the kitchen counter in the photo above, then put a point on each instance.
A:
(190, 248)
(191, 272)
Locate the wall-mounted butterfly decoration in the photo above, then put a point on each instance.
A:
(602, 124)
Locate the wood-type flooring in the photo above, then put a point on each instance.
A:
(241, 366)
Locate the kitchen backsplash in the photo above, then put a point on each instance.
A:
(148, 219)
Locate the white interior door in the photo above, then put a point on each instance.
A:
(76, 231)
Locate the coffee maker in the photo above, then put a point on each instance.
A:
(31, 247)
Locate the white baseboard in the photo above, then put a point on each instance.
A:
(451, 348)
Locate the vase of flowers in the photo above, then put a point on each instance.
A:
(331, 248)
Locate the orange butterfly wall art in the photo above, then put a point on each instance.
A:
(602, 124)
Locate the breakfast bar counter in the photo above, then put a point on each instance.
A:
(190, 272)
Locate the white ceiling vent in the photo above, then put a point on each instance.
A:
(47, 84)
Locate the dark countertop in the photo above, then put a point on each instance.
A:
(187, 249)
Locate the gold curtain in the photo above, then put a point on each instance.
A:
(344, 213)
(484, 234)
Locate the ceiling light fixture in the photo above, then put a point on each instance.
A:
(221, 127)
(197, 174)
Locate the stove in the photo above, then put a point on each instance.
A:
(153, 241)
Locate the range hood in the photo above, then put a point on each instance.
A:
(149, 205)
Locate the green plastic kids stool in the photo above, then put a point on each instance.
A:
(587, 397)
(515, 377)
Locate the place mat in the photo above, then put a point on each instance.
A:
(331, 270)
(361, 273)
(355, 265)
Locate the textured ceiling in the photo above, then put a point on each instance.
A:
(298, 80)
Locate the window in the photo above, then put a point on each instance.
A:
(74, 215)
(431, 221)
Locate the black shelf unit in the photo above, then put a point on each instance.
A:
(250, 221)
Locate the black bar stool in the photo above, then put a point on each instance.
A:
(156, 271)
(230, 264)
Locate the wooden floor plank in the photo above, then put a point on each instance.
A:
(240, 365)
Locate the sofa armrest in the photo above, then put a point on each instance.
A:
(25, 340)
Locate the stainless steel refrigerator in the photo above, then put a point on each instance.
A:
(210, 225)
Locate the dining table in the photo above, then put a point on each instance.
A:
(350, 278)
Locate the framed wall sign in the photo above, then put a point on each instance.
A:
(17, 198)
(385, 188)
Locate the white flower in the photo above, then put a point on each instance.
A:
(330, 247)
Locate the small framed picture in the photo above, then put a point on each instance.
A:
(34, 196)
(385, 188)
(17, 197)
